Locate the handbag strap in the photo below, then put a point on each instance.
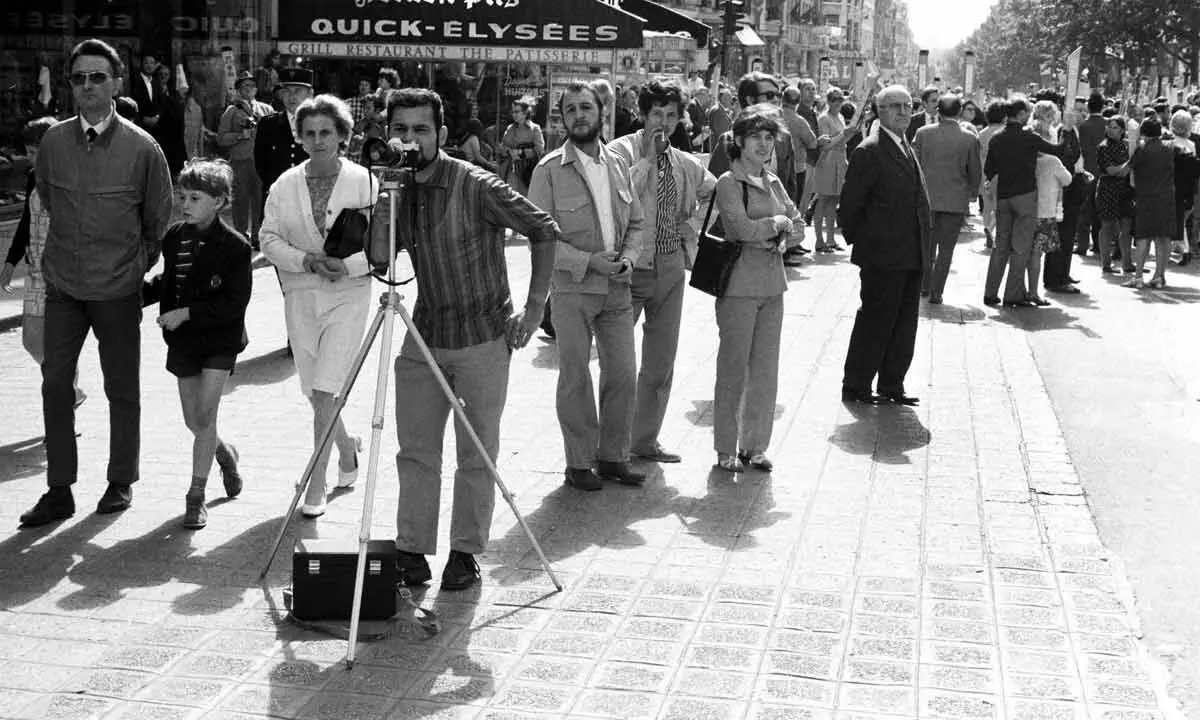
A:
(713, 198)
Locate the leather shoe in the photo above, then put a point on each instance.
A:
(116, 498)
(659, 454)
(1020, 304)
(1064, 289)
(57, 504)
(582, 479)
(991, 301)
(849, 395)
(412, 569)
(935, 299)
(461, 571)
(898, 397)
(1072, 280)
(619, 473)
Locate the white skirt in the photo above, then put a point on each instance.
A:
(325, 328)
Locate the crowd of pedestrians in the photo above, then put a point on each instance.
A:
(613, 217)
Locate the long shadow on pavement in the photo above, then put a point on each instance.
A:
(733, 508)
(885, 432)
(274, 367)
(22, 459)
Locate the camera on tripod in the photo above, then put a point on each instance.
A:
(389, 158)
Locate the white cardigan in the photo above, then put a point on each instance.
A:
(1052, 177)
(288, 232)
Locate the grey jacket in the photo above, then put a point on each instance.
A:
(559, 188)
(951, 158)
(109, 206)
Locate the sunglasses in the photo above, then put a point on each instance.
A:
(768, 95)
(95, 78)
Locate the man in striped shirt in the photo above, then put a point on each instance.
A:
(452, 225)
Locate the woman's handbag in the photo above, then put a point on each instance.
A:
(348, 234)
(715, 256)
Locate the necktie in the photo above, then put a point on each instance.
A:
(666, 235)
(91, 135)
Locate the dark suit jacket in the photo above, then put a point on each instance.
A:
(916, 123)
(216, 292)
(1091, 134)
(136, 88)
(884, 208)
(275, 149)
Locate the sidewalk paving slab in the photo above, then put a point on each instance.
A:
(929, 562)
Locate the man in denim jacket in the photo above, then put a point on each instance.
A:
(588, 190)
(106, 186)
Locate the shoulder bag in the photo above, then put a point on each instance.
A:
(715, 256)
(349, 232)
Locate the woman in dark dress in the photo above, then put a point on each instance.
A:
(1187, 173)
(1114, 196)
(1153, 165)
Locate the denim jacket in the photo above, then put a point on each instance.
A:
(560, 188)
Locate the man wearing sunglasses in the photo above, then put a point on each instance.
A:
(107, 189)
(754, 88)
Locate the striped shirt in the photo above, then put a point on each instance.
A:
(189, 245)
(455, 237)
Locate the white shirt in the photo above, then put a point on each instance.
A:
(101, 126)
(596, 174)
(292, 125)
(931, 119)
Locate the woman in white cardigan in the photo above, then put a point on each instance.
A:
(1052, 177)
(325, 299)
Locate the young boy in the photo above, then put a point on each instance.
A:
(203, 292)
(28, 242)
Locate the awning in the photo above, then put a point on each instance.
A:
(748, 38)
(664, 19)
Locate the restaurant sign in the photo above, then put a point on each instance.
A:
(508, 23)
(438, 53)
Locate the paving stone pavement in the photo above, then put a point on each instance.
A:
(933, 562)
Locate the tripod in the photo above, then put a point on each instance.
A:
(389, 303)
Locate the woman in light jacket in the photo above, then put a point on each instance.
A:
(756, 212)
(325, 299)
(1052, 177)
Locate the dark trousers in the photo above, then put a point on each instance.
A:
(885, 330)
(1087, 227)
(1057, 266)
(943, 236)
(117, 326)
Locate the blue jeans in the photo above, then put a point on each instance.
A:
(117, 326)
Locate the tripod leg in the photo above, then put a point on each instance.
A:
(368, 512)
(456, 405)
(326, 435)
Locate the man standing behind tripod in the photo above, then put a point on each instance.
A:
(452, 225)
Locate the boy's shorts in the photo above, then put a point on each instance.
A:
(182, 364)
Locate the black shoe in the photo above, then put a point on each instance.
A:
(756, 460)
(793, 259)
(935, 299)
(850, 395)
(1072, 280)
(57, 504)
(461, 571)
(1107, 270)
(659, 455)
(227, 459)
(897, 397)
(582, 479)
(1184, 259)
(991, 301)
(412, 569)
(619, 472)
(116, 498)
(1063, 289)
(195, 514)
(1020, 304)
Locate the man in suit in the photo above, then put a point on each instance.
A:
(276, 148)
(674, 190)
(927, 116)
(884, 213)
(588, 190)
(950, 157)
(1091, 134)
(142, 91)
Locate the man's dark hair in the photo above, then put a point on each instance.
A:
(950, 106)
(414, 98)
(391, 76)
(847, 111)
(1151, 128)
(929, 91)
(578, 87)
(1095, 103)
(747, 88)
(1016, 106)
(127, 107)
(791, 96)
(98, 48)
(660, 93)
(1108, 112)
(1053, 96)
(996, 111)
(757, 117)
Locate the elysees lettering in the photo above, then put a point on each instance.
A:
(462, 30)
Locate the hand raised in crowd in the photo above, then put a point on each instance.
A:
(522, 325)
(173, 319)
(6, 276)
(654, 143)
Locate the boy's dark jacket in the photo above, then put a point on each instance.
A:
(216, 292)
